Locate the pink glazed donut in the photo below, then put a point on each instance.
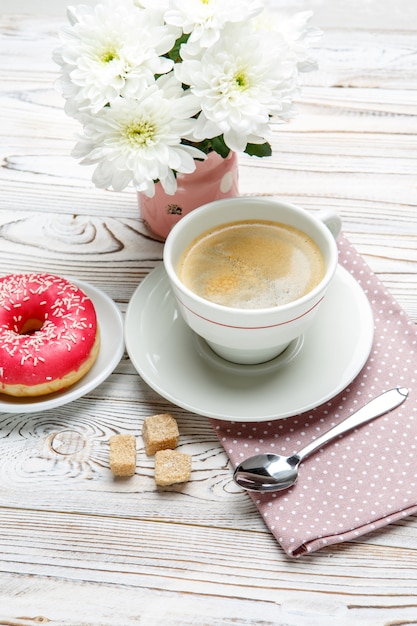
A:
(49, 337)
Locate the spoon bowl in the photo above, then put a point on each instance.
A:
(272, 472)
(265, 470)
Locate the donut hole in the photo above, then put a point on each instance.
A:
(31, 326)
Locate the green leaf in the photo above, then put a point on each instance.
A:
(174, 53)
(259, 149)
(220, 147)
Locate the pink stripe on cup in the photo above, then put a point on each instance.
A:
(251, 327)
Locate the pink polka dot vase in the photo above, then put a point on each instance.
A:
(213, 179)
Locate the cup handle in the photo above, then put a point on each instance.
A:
(332, 220)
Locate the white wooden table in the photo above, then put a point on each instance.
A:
(76, 546)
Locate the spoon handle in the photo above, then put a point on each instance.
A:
(378, 406)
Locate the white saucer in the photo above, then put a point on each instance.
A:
(170, 358)
(111, 351)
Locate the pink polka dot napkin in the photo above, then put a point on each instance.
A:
(363, 480)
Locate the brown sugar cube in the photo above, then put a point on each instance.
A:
(172, 467)
(159, 432)
(123, 455)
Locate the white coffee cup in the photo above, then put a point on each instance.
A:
(250, 336)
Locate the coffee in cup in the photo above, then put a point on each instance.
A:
(252, 264)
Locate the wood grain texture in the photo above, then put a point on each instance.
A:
(81, 548)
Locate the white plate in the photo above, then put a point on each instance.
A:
(110, 322)
(170, 358)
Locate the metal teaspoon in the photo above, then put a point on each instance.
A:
(271, 472)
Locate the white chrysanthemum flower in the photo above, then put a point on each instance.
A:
(159, 7)
(153, 4)
(299, 37)
(139, 141)
(240, 82)
(203, 20)
(111, 50)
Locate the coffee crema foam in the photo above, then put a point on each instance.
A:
(252, 264)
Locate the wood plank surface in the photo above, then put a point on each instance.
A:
(79, 548)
